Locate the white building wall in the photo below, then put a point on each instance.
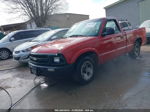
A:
(129, 9)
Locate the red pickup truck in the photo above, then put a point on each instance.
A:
(86, 45)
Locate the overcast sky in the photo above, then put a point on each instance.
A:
(94, 8)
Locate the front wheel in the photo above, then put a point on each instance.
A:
(85, 70)
(135, 53)
(4, 54)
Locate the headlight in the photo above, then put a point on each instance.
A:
(27, 50)
(59, 59)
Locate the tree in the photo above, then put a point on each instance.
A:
(36, 10)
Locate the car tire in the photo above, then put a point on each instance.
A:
(4, 54)
(85, 70)
(135, 53)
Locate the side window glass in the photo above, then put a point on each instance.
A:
(35, 33)
(112, 24)
(58, 35)
(27, 34)
(31, 34)
(17, 36)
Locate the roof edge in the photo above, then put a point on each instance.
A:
(113, 4)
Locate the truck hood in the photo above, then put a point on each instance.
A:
(58, 45)
(26, 45)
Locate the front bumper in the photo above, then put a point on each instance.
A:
(48, 71)
(21, 57)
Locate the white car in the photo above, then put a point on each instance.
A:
(146, 25)
(22, 52)
(13, 39)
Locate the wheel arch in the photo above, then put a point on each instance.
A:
(139, 39)
(6, 49)
(84, 53)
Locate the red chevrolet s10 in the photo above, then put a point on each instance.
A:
(85, 45)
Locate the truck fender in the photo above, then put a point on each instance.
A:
(81, 52)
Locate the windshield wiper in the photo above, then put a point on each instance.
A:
(77, 36)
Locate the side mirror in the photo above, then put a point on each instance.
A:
(12, 39)
(108, 31)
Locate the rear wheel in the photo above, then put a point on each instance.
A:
(135, 53)
(4, 54)
(85, 70)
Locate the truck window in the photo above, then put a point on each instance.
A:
(124, 25)
(112, 24)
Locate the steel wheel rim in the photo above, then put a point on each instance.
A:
(4, 54)
(87, 70)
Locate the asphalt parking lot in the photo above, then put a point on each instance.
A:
(120, 84)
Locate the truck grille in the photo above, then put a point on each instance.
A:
(41, 59)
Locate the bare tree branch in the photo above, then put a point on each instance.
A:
(37, 10)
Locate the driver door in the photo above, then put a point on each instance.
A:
(108, 45)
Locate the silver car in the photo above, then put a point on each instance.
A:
(13, 39)
(22, 52)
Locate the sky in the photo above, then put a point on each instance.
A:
(93, 8)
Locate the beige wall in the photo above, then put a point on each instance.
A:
(65, 20)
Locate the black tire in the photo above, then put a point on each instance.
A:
(4, 54)
(135, 53)
(85, 70)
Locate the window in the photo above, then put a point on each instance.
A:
(58, 35)
(50, 35)
(124, 25)
(18, 36)
(112, 24)
(85, 29)
(28, 34)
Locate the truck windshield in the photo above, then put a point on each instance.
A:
(85, 29)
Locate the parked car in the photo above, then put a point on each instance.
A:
(21, 53)
(146, 24)
(86, 45)
(13, 39)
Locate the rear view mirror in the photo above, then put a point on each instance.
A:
(108, 31)
(12, 39)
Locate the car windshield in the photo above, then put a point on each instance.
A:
(45, 36)
(6, 38)
(146, 24)
(85, 28)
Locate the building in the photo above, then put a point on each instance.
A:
(65, 20)
(18, 26)
(54, 21)
(135, 11)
